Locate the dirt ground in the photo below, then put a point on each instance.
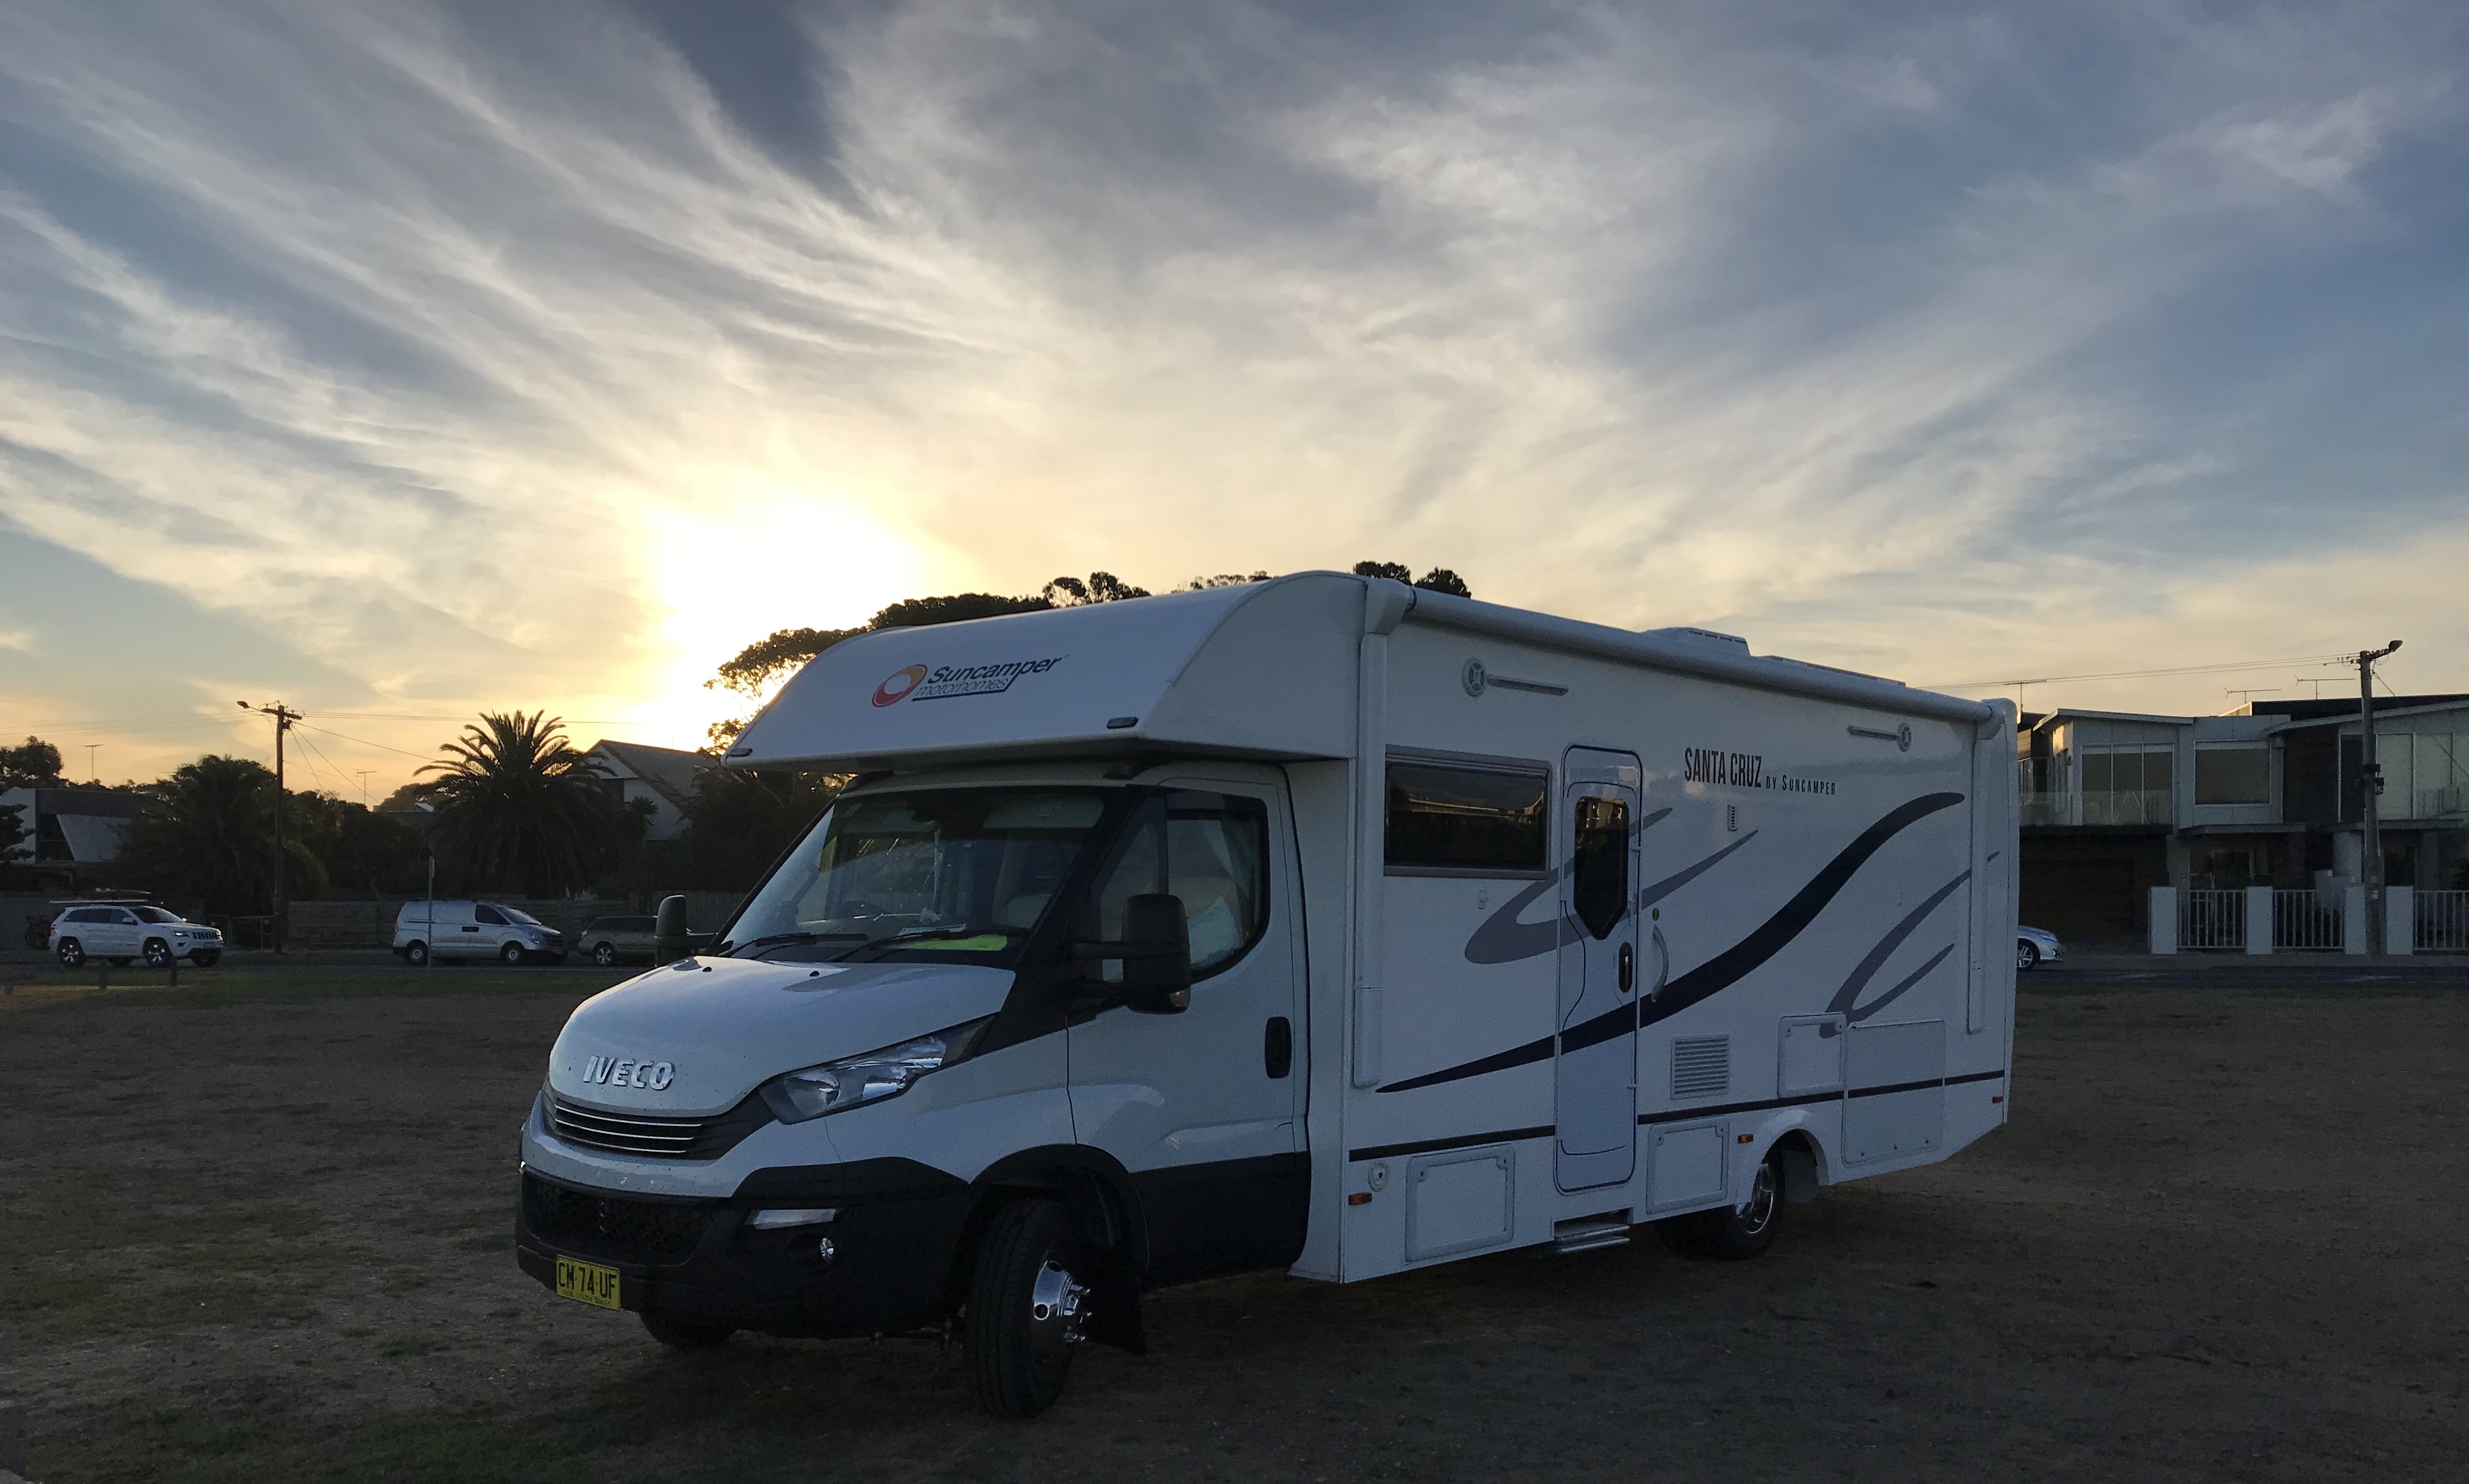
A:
(258, 1229)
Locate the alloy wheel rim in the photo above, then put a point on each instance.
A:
(1762, 1200)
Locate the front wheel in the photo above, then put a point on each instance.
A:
(680, 1332)
(1027, 1310)
(158, 953)
(511, 955)
(71, 953)
(415, 954)
(2027, 955)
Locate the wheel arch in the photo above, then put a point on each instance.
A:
(1793, 1139)
(1098, 1195)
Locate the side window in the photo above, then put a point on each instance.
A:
(1211, 852)
(488, 915)
(81, 915)
(1447, 819)
(125, 918)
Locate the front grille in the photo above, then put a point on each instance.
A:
(642, 1133)
(614, 1227)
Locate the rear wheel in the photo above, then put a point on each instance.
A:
(71, 953)
(415, 954)
(1748, 1230)
(158, 953)
(511, 954)
(1026, 1309)
(2027, 955)
(604, 954)
(680, 1332)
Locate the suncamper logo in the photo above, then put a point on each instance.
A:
(918, 683)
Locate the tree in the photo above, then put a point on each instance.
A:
(1438, 579)
(34, 765)
(738, 823)
(1202, 584)
(519, 807)
(1070, 592)
(12, 829)
(360, 848)
(206, 839)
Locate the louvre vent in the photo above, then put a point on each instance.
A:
(1702, 1066)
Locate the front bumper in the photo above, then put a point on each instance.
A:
(896, 1232)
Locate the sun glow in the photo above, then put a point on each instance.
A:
(777, 559)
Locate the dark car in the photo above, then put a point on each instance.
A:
(617, 940)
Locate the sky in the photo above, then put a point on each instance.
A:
(401, 361)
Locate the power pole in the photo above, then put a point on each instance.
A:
(284, 717)
(2370, 785)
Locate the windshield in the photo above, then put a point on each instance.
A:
(156, 915)
(965, 871)
(517, 915)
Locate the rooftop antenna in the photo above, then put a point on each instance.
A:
(2242, 695)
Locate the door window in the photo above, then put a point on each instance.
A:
(1599, 872)
(488, 915)
(1211, 852)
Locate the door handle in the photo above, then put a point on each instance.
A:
(1278, 1047)
(1628, 967)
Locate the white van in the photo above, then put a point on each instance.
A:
(450, 930)
(1320, 924)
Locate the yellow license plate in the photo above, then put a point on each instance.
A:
(587, 1282)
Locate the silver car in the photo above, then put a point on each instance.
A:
(2035, 947)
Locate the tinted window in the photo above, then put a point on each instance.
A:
(158, 915)
(2232, 774)
(488, 915)
(1599, 870)
(1209, 849)
(84, 915)
(1480, 820)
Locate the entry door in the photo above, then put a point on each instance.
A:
(1205, 1108)
(1596, 1064)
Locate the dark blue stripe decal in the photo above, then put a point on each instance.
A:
(1503, 939)
(1725, 970)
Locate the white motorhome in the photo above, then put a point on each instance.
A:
(1320, 924)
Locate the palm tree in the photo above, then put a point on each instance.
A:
(517, 805)
(207, 838)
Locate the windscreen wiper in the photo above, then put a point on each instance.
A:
(908, 935)
(771, 939)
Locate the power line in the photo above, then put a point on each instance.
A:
(365, 743)
(2136, 674)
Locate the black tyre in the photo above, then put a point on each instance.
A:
(604, 955)
(205, 958)
(511, 954)
(415, 954)
(158, 953)
(1027, 1310)
(1748, 1231)
(2027, 955)
(680, 1332)
(71, 953)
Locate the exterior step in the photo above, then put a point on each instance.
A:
(1588, 1233)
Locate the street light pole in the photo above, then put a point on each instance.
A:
(2370, 785)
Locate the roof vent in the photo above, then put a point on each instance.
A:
(1732, 645)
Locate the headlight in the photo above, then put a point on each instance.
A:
(797, 1096)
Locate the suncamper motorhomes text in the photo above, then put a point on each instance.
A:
(1318, 923)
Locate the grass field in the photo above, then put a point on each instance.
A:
(258, 1228)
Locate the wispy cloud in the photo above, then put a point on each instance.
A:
(496, 358)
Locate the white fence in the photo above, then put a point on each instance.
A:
(2440, 921)
(2303, 920)
(2208, 918)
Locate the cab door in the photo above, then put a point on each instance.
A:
(1594, 1066)
(1204, 1107)
(488, 931)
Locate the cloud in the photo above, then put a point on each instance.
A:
(493, 359)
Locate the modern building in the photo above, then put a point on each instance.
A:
(70, 827)
(661, 777)
(2115, 803)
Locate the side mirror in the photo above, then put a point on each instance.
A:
(1156, 954)
(670, 941)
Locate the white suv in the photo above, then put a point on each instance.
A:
(474, 930)
(121, 933)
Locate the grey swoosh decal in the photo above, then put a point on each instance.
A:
(1845, 999)
(1503, 939)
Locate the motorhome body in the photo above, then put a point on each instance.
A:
(1503, 931)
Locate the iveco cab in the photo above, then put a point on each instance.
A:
(1319, 923)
